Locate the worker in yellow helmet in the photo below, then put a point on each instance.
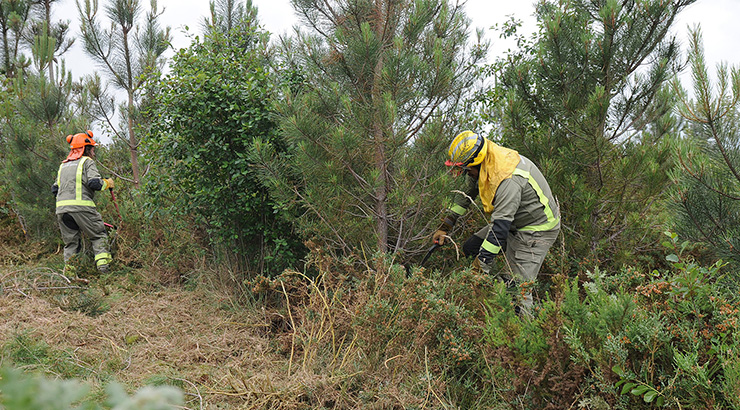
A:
(525, 218)
(77, 180)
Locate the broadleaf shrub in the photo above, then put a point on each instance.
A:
(212, 106)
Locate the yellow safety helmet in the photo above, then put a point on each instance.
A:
(467, 149)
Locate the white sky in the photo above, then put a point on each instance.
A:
(718, 20)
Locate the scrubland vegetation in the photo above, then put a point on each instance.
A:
(274, 198)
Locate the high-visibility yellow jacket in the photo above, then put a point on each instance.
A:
(522, 202)
(76, 184)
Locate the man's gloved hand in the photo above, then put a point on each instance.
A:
(439, 237)
(109, 182)
(486, 265)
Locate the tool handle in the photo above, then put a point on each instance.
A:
(115, 203)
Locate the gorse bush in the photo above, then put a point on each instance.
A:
(626, 339)
(387, 340)
(172, 248)
(668, 338)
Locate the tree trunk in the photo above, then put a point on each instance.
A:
(47, 7)
(381, 194)
(132, 143)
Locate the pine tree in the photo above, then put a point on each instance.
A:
(44, 26)
(129, 55)
(22, 22)
(228, 15)
(707, 190)
(37, 111)
(39, 114)
(369, 116)
(14, 18)
(587, 101)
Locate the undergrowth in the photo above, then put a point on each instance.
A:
(627, 339)
(352, 333)
(19, 391)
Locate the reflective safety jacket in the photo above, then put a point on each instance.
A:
(76, 184)
(523, 202)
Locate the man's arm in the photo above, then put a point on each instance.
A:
(505, 205)
(94, 181)
(461, 202)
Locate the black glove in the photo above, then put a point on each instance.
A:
(485, 262)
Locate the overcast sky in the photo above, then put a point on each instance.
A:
(718, 20)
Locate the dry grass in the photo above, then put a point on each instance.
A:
(140, 332)
(299, 348)
(173, 335)
(223, 357)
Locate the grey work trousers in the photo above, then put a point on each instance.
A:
(523, 258)
(91, 224)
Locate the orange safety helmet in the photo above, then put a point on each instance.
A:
(81, 140)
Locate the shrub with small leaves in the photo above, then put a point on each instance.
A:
(19, 391)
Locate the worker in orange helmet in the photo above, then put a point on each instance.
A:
(524, 215)
(77, 180)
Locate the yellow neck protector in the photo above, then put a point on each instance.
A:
(497, 165)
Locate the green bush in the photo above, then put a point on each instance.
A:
(631, 338)
(208, 111)
(627, 340)
(20, 391)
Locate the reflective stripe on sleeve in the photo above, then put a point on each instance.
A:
(494, 249)
(551, 220)
(458, 209)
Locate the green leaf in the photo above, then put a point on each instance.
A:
(650, 396)
(618, 370)
(671, 258)
(640, 390)
(660, 401)
(627, 387)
